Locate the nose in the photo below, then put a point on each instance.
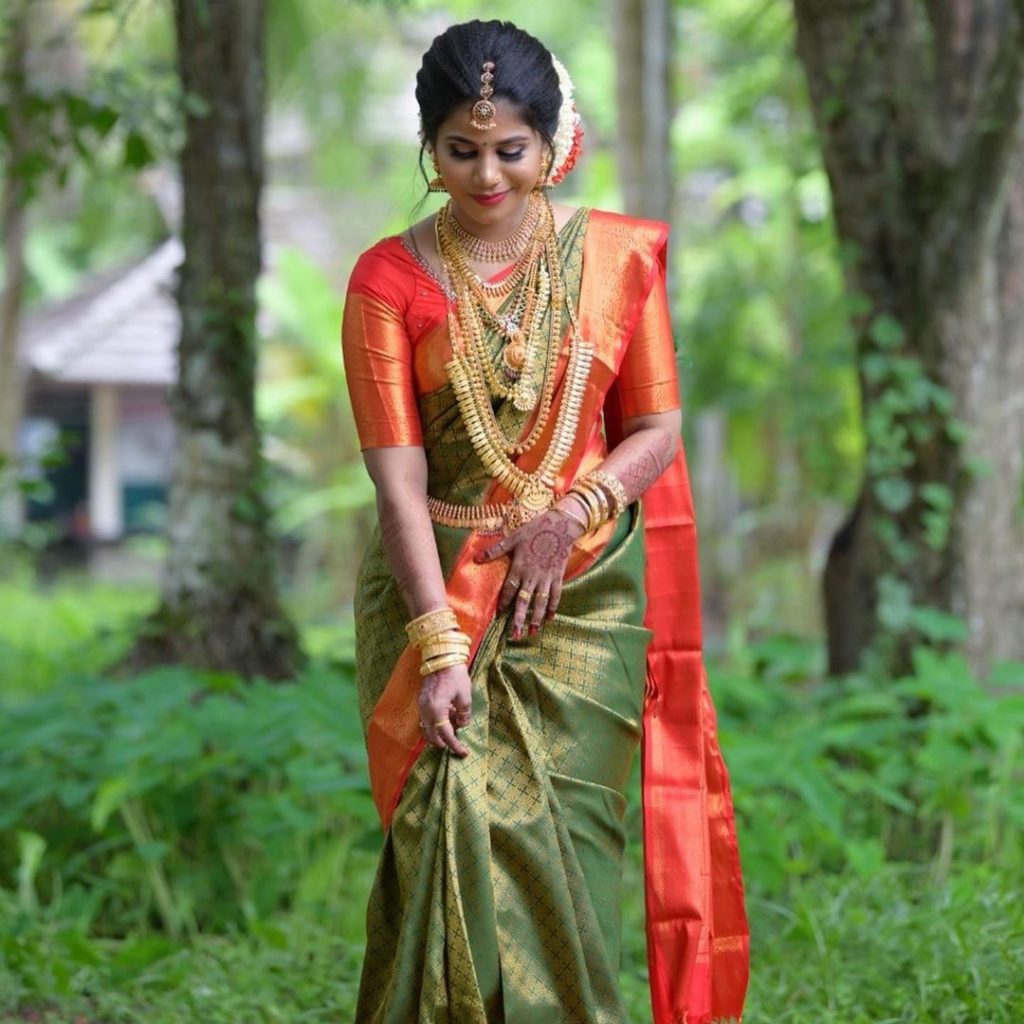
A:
(487, 171)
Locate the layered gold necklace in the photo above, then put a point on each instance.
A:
(536, 294)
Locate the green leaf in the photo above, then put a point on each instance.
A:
(938, 625)
(894, 493)
(110, 796)
(939, 496)
(886, 331)
(31, 847)
(137, 152)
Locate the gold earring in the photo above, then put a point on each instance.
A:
(542, 181)
(437, 183)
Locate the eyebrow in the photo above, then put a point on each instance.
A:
(503, 142)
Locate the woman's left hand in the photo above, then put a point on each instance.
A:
(539, 551)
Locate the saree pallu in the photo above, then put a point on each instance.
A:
(498, 892)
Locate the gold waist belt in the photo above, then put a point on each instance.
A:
(498, 517)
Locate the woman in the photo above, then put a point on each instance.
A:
(511, 368)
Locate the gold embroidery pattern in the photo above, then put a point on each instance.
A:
(497, 896)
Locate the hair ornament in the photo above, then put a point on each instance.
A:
(482, 117)
(568, 137)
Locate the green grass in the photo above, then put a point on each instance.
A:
(892, 949)
(243, 822)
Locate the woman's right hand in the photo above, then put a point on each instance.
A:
(446, 704)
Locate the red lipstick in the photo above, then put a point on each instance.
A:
(491, 199)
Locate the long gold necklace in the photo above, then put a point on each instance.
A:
(517, 322)
(521, 330)
(471, 384)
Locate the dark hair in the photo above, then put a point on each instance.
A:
(523, 75)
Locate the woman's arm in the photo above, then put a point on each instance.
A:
(649, 445)
(400, 477)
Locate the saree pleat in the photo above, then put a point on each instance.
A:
(518, 848)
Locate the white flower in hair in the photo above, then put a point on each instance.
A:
(569, 131)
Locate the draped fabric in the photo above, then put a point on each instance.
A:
(498, 891)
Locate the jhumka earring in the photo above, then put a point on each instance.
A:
(545, 171)
(436, 184)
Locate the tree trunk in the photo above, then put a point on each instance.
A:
(219, 607)
(643, 43)
(12, 223)
(919, 108)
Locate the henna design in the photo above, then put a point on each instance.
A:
(640, 473)
(550, 545)
(646, 455)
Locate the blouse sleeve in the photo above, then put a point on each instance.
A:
(648, 380)
(378, 357)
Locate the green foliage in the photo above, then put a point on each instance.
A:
(182, 848)
(844, 774)
(187, 801)
(121, 113)
(764, 333)
(71, 623)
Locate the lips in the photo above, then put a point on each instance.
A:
(492, 198)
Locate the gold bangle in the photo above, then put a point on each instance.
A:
(438, 621)
(593, 500)
(602, 500)
(589, 505)
(614, 487)
(442, 652)
(580, 502)
(435, 650)
(446, 661)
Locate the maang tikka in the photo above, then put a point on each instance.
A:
(482, 116)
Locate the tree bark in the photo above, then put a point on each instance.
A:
(643, 42)
(219, 606)
(919, 107)
(12, 223)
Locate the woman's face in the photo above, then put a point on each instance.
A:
(489, 174)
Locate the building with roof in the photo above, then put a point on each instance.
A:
(99, 365)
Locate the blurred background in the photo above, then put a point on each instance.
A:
(186, 832)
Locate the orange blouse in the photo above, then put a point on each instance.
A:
(395, 345)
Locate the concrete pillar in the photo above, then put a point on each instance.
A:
(106, 502)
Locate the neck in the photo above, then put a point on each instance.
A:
(494, 232)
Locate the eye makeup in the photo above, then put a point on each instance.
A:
(517, 154)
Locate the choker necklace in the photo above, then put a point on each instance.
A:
(504, 250)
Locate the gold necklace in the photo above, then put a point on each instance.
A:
(504, 250)
(519, 325)
(533, 492)
(523, 338)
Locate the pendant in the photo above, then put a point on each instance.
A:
(515, 353)
(525, 399)
(528, 506)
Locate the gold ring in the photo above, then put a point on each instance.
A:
(444, 721)
(524, 595)
(544, 596)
